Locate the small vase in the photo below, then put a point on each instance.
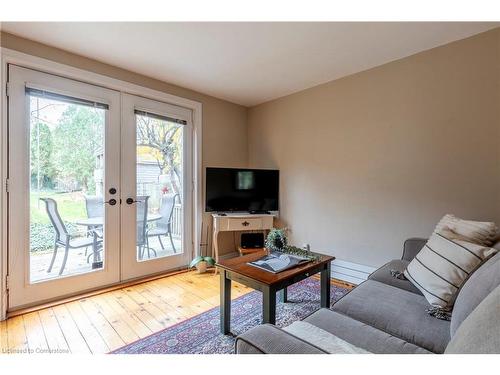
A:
(201, 267)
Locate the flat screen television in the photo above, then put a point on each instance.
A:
(236, 189)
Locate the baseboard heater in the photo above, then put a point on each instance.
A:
(352, 273)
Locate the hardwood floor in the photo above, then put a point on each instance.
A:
(107, 321)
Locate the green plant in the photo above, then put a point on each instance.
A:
(276, 239)
(294, 250)
(210, 261)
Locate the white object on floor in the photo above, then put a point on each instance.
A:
(322, 339)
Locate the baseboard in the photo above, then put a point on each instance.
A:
(350, 272)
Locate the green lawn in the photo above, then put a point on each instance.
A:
(71, 206)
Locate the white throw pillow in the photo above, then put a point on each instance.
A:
(479, 232)
(443, 265)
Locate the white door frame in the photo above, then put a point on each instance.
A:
(9, 56)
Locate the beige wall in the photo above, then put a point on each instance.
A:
(371, 159)
(366, 160)
(224, 124)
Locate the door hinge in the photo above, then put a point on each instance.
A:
(7, 283)
(7, 185)
(7, 91)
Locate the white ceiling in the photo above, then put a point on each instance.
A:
(246, 63)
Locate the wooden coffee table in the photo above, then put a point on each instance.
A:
(237, 269)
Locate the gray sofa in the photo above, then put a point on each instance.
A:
(387, 315)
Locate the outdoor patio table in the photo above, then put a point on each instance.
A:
(92, 222)
(98, 220)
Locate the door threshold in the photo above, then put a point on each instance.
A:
(109, 288)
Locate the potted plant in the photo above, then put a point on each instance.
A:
(276, 239)
(201, 263)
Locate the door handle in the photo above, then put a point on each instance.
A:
(130, 200)
(111, 202)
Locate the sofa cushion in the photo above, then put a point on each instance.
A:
(396, 311)
(442, 266)
(360, 334)
(475, 289)
(479, 333)
(412, 246)
(383, 275)
(267, 338)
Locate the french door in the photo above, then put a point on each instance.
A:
(98, 187)
(156, 186)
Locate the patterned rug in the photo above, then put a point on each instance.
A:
(201, 335)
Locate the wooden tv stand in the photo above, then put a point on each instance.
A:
(233, 222)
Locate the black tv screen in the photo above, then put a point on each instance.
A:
(233, 189)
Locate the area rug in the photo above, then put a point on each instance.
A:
(201, 335)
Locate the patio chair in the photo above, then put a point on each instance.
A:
(142, 221)
(63, 237)
(94, 205)
(164, 225)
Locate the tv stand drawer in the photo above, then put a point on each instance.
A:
(234, 224)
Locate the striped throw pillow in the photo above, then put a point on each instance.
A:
(443, 265)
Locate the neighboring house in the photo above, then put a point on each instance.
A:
(148, 174)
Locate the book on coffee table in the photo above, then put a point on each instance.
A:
(277, 262)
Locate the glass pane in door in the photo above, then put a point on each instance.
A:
(66, 186)
(159, 166)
